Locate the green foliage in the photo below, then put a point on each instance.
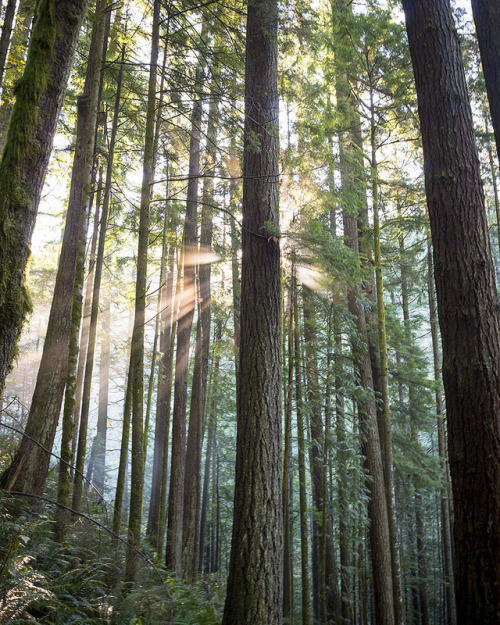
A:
(45, 582)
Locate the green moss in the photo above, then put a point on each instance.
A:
(16, 203)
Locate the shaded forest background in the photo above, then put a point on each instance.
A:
(129, 518)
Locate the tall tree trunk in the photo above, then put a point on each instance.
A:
(102, 410)
(165, 315)
(15, 62)
(468, 305)
(173, 556)
(58, 365)
(156, 520)
(385, 412)
(487, 18)
(371, 448)
(328, 578)
(301, 452)
(137, 345)
(25, 158)
(445, 496)
(212, 426)
(192, 484)
(254, 591)
(73, 423)
(118, 508)
(287, 473)
(8, 20)
(81, 193)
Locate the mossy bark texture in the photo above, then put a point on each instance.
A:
(39, 97)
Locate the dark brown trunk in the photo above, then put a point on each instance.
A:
(254, 591)
(468, 306)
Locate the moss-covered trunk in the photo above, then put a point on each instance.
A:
(26, 154)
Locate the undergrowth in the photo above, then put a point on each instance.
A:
(45, 582)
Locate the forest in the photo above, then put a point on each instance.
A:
(249, 317)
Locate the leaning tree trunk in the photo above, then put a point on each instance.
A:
(487, 18)
(25, 159)
(8, 20)
(254, 591)
(15, 63)
(468, 307)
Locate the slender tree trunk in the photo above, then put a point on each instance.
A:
(118, 512)
(385, 413)
(82, 178)
(102, 411)
(287, 474)
(137, 345)
(301, 451)
(212, 426)
(164, 314)
(8, 20)
(445, 496)
(156, 520)
(371, 448)
(192, 484)
(25, 158)
(468, 305)
(14, 63)
(254, 591)
(328, 578)
(85, 327)
(99, 446)
(173, 556)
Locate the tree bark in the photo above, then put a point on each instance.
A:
(468, 306)
(173, 555)
(328, 577)
(301, 458)
(445, 497)
(192, 484)
(25, 159)
(254, 591)
(8, 20)
(487, 19)
(132, 560)
(15, 63)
